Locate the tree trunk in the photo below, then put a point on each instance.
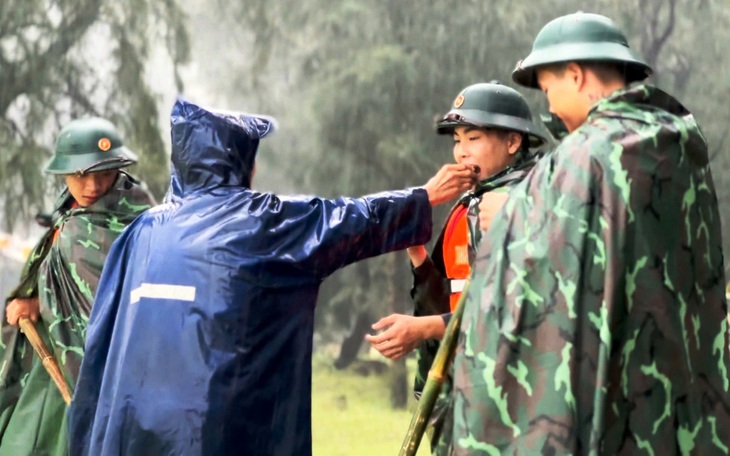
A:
(399, 285)
(399, 384)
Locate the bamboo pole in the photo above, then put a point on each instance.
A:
(435, 380)
(49, 362)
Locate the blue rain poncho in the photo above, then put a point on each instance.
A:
(200, 339)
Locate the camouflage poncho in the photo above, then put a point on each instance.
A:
(596, 320)
(64, 274)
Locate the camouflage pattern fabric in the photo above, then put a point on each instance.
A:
(596, 320)
(429, 291)
(64, 274)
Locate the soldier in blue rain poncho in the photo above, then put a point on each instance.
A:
(200, 340)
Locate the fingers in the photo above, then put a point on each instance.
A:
(466, 176)
(378, 338)
(462, 171)
(449, 182)
(390, 349)
(383, 322)
(375, 339)
(13, 317)
(403, 333)
(18, 308)
(11, 312)
(387, 342)
(393, 353)
(33, 309)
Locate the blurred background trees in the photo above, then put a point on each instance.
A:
(356, 86)
(63, 59)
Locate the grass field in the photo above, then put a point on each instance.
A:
(351, 414)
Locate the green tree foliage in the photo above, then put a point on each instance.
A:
(62, 59)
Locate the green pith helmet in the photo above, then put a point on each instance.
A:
(490, 104)
(580, 37)
(89, 145)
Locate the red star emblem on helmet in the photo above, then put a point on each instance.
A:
(105, 144)
(459, 101)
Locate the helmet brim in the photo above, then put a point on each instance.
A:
(635, 69)
(480, 119)
(117, 158)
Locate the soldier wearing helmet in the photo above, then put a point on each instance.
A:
(89, 154)
(59, 280)
(596, 320)
(492, 128)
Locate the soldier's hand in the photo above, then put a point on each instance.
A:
(451, 181)
(22, 308)
(403, 333)
(490, 204)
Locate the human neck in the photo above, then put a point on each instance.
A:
(599, 91)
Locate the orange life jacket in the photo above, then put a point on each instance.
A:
(455, 250)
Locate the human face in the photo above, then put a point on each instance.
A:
(490, 150)
(563, 89)
(89, 187)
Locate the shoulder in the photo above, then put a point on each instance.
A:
(595, 145)
(575, 165)
(589, 140)
(134, 191)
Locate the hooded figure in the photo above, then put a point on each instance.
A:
(201, 337)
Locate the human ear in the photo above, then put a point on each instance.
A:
(514, 142)
(575, 75)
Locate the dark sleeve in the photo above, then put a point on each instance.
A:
(430, 297)
(447, 318)
(317, 236)
(429, 292)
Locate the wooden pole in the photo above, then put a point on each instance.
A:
(49, 362)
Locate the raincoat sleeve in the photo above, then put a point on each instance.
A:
(319, 236)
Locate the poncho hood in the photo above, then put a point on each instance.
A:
(212, 148)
